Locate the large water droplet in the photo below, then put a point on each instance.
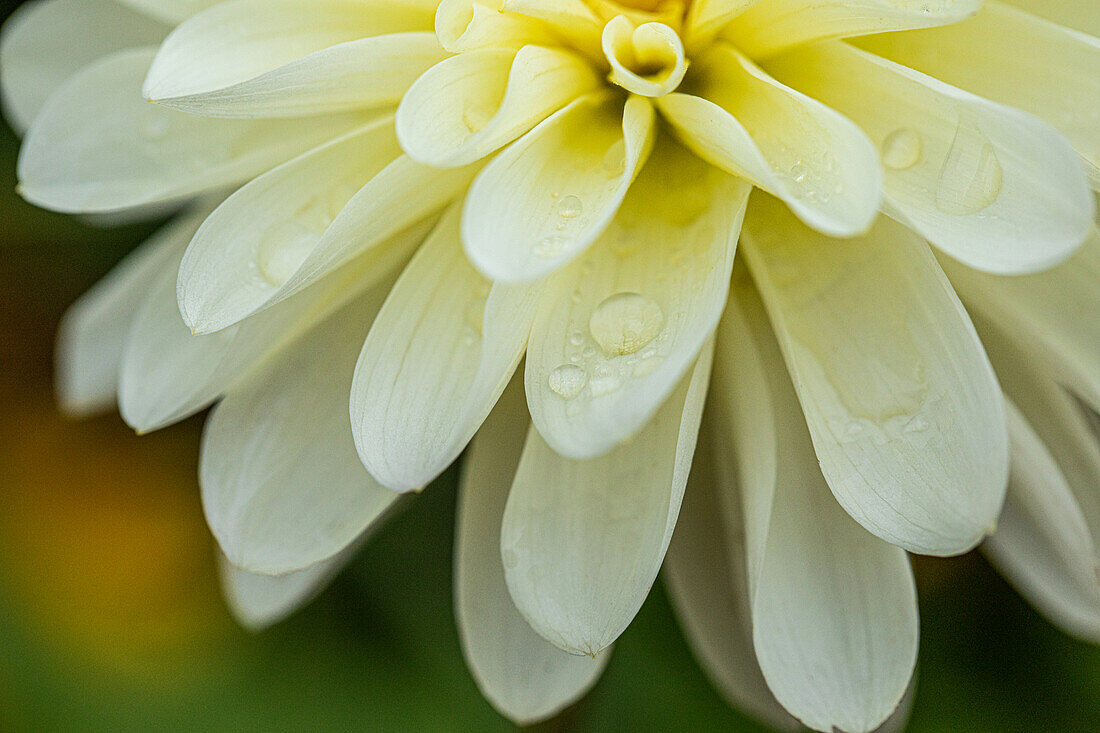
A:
(570, 207)
(901, 149)
(971, 177)
(567, 380)
(625, 322)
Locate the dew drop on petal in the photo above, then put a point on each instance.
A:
(567, 380)
(614, 160)
(570, 207)
(901, 149)
(971, 177)
(282, 251)
(550, 246)
(625, 322)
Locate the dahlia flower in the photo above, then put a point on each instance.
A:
(388, 205)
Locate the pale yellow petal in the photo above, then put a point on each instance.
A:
(990, 185)
(905, 412)
(743, 121)
(1008, 56)
(547, 197)
(616, 331)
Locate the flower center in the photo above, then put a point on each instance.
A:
(647, 59)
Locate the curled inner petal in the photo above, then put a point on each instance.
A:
(647, 60)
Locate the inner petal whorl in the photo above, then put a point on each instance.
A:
(648, 59)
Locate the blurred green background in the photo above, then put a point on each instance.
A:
(110, 617)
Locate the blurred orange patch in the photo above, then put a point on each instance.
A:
(103, 546)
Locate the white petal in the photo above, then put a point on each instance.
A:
(834, 609)
(616, 331)
(436, 360)
(1052, 315)
(582, 541)
(990, 185)
(1053, 414)
(92, 335)
(743, 121)
(524, 676)
(47, 41)
(170, 11)
(1042, 543)
(773, 25)
(259, 601)
(276, 58)
(367, 72)
(400, 195)
(282, 485)
(98, 146)
(469, 105)
(905, 413)
(168, 374)
(1011, 57)
(254, 242)
(548, 196)
(705, 575)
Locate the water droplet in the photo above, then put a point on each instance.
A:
(282, 251)
(576, 338)
(901, 149)
(614, 160)
(570, 207)
(550, 246)
(971, 177)
(625, 322)
(601, 386)
(567, 380)
(855, 428)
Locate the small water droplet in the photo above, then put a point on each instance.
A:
(971, 177)
(282, 251)
(567, 380)
(614, 160)
(550, 246)
(601, 386)
(901, 149)
(570, 207)
(576, 338)
(625, 322)
(855, 428)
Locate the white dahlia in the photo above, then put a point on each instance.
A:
(473, 183)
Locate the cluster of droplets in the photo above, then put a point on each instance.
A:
(625, 333)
